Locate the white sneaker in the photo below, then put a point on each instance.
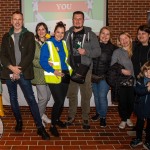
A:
(46, 119)
(122, 125)
(129, 123)
(43, 124)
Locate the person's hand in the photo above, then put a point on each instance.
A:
(148, 88)
(126, 72)
(50, 63)
(81, 51)
(16, 76)
(148, 84)
(15, 69)
(58, 73)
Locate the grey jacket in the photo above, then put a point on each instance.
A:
(90, 44)
(121, 56)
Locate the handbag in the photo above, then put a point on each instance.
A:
(96, 78)
(127, 81)
(79, 74)
(66, 77)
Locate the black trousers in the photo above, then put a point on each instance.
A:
(125, 102)
(140, 126)
(59, 92)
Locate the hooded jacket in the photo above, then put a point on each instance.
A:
(90, 44)
(27, 48)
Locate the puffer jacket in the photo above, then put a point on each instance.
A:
(142, 101)
(101, 64)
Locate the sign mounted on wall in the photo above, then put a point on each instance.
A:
(52, 11)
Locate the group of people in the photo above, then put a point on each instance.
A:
(49, 63)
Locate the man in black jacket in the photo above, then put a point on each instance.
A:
(18, 47)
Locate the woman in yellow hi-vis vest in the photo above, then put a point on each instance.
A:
(53, 59)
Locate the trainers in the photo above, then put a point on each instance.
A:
(60, 124)
(103, 122)
(135, 142)
(96, 117)
(122, 125)
(41, 131)
(45, 119)
(69, 121)
(146, 145)
(129, 123)
(86, 124)
(54, 131)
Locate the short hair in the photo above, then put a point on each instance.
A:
(77, 13)
(37, 27)
(17, 12)
(60, 24)
(145, 28)
(144, 68)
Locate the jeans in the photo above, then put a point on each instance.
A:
(100, 91)
(27, 90)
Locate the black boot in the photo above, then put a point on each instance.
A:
(41, 131)
(54, 131)
(18, 127)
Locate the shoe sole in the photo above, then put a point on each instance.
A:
(145, 147)
(136, 145)
(121, 128)
(48, 138)
(96, 119)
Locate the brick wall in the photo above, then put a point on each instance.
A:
(123, 15)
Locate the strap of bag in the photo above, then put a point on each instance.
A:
(71, 52)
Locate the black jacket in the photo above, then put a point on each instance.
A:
(101, 64)
(141, 54)
(142, 102)
(27, 48)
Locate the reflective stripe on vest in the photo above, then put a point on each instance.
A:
(55, 60)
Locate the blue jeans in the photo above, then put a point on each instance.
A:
(100, 91)
(27, 90)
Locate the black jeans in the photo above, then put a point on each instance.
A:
(59, 92)
(140, 127)
(125, 102)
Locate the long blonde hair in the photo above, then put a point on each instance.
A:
(130, 46)
(144, 68)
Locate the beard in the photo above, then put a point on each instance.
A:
(78, 27)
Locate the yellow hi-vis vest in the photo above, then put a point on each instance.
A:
(55, 60)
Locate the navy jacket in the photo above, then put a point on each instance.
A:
(142, 101)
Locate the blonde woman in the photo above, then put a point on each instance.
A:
(126, 94)
(101, 65)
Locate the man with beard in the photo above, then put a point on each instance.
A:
(83, 45)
